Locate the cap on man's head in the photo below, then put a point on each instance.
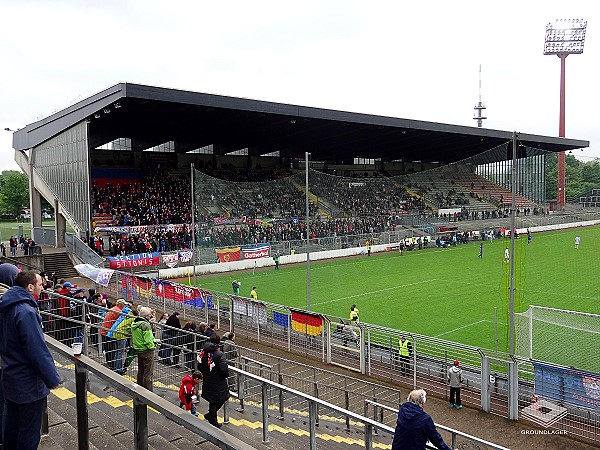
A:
(203, 324)
(79, 291)
(456, 363)
(67, 284)
(121, 301)
(104, 295)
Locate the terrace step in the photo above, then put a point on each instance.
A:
(59, 263)
(110, 420)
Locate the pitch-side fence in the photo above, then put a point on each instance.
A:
(495, 382)
(269, 386)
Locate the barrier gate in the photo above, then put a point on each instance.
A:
(346, 344)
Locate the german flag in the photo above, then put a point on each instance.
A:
(303, 322)
(144, 286)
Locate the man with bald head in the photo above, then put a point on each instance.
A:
(414, 426)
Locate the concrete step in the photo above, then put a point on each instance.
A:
(60, 263)
(66, 428)
(62, 435)
(110, 420)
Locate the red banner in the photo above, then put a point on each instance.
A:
(228, 254)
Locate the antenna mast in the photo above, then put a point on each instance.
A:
(480, 106)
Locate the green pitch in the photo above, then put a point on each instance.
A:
(448, 293)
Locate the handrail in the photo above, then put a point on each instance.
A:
(260, 363)
(142, 398)
(454, 432)
(314, 404)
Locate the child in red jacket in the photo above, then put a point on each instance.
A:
(188, 390)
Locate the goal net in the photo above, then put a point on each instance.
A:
(567, 338)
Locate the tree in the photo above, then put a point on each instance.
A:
(14, 192)
(581, 177)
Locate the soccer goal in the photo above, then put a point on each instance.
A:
(566, 338)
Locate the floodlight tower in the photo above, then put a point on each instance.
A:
(563, 37)
(480, 106)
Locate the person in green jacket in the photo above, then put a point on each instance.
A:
(121, 333)
(144, 344)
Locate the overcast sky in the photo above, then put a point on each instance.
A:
(415, 60)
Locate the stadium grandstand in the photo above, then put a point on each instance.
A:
(91, 159)
(161, 183)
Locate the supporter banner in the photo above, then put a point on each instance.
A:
(185, 255)
(567, 385)
(228, 254)
(128, 290)
(256, 251)
(250, 308)
(139, 229)
(100, 276)
(281, 319)
(205, 297)
(267, 223)
(136, 260)
(182, 293)
(251, 221)
(170, 260)
(227, 221)
(307, 323)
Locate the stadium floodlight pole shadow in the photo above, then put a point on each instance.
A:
(306, 155)
(563, 37)
(193, 202)
(513, 226)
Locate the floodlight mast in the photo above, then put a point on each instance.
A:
(563, 37)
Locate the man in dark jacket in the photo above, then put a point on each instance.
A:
(28, 370)
(414, 426)
(215, 372)
(173, 340)
(8, 273)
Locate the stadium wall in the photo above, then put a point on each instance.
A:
(180, 272)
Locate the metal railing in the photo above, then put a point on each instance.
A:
(378, 407)
(333, 397)
(313, 405)
(495, 382)
(82, 250)
(44, 236)
(142, 399)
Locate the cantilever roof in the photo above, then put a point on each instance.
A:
(151, 116)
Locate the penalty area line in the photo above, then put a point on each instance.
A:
(362, 294)
(460, 328)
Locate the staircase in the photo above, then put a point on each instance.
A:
(60, 263)
(110, 421)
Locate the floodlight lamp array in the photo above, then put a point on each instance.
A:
(565, 36)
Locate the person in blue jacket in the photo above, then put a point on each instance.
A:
(414, 426)
(8, 273)
(28, 370)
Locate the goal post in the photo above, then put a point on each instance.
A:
(562, 337)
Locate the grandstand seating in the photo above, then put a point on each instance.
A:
(498, 195)
(234, 213)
